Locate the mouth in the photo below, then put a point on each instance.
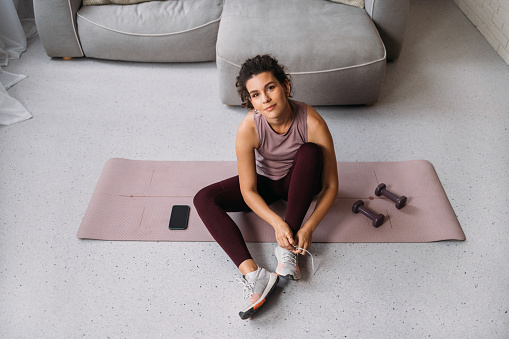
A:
(270, 108)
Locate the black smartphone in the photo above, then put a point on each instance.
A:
(179, 217)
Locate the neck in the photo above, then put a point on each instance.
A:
(282, 123)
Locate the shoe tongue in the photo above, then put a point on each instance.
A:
(252, 276)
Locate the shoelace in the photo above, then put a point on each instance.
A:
(289, 257)
(286, 256)
(248, 287)
(295, 257)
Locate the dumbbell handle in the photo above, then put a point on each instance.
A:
(378, 219)
(399, 200)
(370, 214)
(390, 195)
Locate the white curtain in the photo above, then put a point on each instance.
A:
(16, 24)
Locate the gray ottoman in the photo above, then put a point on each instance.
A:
(332, 51)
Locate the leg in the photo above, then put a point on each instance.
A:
(299, 187)
(302, 183)
(212, 204)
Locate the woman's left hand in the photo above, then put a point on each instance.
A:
(303, 239)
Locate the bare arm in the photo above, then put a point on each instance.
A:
(246, 143)
(319, 133)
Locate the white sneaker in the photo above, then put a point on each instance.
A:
(258, 285)
(287, 264)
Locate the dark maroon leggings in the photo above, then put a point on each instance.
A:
(298, 188)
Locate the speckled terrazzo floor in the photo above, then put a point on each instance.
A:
(446, 100)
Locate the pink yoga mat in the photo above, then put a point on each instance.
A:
(133, 201)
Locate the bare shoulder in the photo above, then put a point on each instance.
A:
(246, 132)
(248, 121)
(316, 124)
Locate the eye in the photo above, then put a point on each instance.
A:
(254, 95)
(271, 87)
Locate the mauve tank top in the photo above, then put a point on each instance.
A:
(274, 156)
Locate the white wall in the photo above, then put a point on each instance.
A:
(491, 17)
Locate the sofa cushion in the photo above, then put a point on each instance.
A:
(116, 2)
(164, 31)
(325, 47)
(356, 3)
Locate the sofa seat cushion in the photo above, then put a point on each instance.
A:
(164, 31)
(326, 46)
(356, 3)
(110, 2)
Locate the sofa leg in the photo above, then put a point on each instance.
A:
(67, 58)
(370, 104)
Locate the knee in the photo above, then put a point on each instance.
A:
(203, 198)
(311, 152)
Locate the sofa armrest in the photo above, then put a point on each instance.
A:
(56, 24)
(390, 18)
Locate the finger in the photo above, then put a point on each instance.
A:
(296, 245)
(302, 244)
(283, 242)
(298, 251)
(291, 240)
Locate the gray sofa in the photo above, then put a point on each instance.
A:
(335, 53)
(155, 31)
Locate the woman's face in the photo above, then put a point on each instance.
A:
(267, 94)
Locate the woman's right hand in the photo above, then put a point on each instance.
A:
(284, 235)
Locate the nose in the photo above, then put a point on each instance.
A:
(266, 98)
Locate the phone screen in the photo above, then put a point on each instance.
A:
(179, 217)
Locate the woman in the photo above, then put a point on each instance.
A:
(284, 151)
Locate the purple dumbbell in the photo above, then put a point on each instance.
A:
(400, 201)
(378, 220)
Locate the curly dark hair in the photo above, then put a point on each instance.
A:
(254, 66)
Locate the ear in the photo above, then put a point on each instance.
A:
(287, 87)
